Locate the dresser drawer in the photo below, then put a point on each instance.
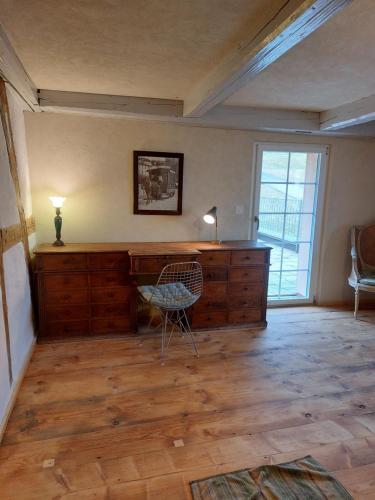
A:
(210, 304)
(245, 316)
(209, 319)
(218, 258)
(214, 290)
(108, 261)
(69, 261)
(110, 295)
(109, 278)
(110, 325)
(246, 289)
(63, 281)
(56, 328)
(56, 313)
(154, 265)
(68, 296)
(248, 257)
(246, 274)
(238, 302)
(215, 274)
(109, 310)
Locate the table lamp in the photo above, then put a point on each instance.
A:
(58, 202)
(211, 218)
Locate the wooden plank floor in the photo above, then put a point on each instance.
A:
(100, 418)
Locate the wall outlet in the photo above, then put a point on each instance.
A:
(239, 209)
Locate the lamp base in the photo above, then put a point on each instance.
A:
(58, 243)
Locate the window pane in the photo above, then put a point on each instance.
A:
(271, 225)
(303, 167)
(300, 198)
(274, 166)
(295, 256)
(272, 198)
(298, 227)
(273, 284)
(276, 255)
(290, 257)
(294, 283)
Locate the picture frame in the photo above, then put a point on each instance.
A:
(158, 182)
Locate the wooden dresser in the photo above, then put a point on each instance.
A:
(90, 289)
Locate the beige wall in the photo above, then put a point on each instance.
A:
(89, 160)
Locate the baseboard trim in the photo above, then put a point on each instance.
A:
(15, 391)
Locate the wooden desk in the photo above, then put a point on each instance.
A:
(90, 288)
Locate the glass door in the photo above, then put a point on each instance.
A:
(287, 212)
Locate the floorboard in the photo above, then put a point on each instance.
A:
(100, 418)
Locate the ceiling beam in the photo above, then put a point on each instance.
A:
(170, 111)
(354, 113)
(125, 104)
(13, 72)
(295, 21)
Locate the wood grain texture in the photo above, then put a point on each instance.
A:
(108, 413)
(12, 235)
(150, 248)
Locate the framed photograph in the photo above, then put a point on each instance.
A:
(158, 183)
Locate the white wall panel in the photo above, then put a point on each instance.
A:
(19, 306)
(4, 377)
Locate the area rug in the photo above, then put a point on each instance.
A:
(302, 479)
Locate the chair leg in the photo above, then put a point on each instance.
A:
(190, 333)
(356, 302)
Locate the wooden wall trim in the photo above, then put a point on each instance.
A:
(12, 235)
(30, 225)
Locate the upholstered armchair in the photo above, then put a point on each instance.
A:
(362, 277)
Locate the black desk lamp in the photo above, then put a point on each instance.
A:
(211, 218)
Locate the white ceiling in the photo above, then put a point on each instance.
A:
(149, 48)
(334, 66)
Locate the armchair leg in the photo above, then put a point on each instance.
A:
(356, 303)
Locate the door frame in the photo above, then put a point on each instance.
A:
(324, 149)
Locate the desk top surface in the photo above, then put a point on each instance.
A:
(151, 248)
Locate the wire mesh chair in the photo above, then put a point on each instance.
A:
(179, 286)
